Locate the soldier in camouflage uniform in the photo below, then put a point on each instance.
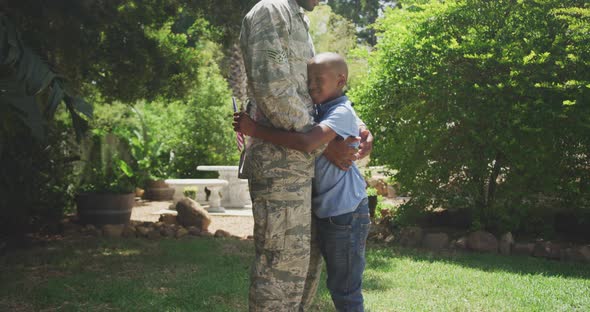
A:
(276, 46)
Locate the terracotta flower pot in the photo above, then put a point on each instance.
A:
(158, 190)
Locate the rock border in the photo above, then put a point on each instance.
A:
(479, 241)
(167, 227)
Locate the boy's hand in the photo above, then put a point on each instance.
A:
(244, 124)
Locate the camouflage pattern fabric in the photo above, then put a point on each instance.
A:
(282, 234)
(276, 46)
(314, 270)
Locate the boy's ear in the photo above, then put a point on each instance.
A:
(341, 80)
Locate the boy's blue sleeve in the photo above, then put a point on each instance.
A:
(341, 120)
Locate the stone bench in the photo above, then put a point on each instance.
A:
(237, 194)
(214, 185)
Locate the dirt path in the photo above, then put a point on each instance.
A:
(236, 225)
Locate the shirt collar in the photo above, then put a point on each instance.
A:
(323, 108)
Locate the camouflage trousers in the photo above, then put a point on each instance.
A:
(314, 270)
(282, 235)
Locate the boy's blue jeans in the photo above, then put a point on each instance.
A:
(342, 240)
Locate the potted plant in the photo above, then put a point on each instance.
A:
(106, 191)
(149, 155)
(191, 192)
(372, 197)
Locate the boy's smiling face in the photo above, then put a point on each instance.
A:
(324, 82)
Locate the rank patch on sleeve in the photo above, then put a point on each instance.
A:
(278, 56)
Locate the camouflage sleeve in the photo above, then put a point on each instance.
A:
(273, 85)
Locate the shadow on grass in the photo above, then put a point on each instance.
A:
(129, 275)
(197, 274)
(379, 255)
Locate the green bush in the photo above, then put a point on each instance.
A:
(485, 106)
(37, 180)
(195, 132)
(176, 136)
(105, 167)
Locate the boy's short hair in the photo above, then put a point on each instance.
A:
(334, 60)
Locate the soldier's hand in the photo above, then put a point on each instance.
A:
(340, 153)
(244, 124)
(366, 145)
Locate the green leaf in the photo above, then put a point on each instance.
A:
(79, 123)
(569, 102)
(13, 46)
(55, 97)
(82, 106)
(29, 113)
(34, 72)
(125, 168)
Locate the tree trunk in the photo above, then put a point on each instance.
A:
(237, 77)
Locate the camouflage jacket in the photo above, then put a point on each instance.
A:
(276, 46)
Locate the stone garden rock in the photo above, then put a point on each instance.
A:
(168, 219)
(546, 249)
(523, 249)
(143, 230)
(206, 234)
(506, 242)
(113, 230)
(410, 236)
(181, 232)
(378, 237)
(459, 243)
(375, 229)
(194, 231)
(70, 228)
(91, 230)
(129, 231)
(584, 252)
(391, 192)
(570, 254)
(190, 213)
(222, 233)
(167, 231)
(134, 223)
(435, 241)
(90, 227)
(390, 238)
(482, 241)
(153, 234)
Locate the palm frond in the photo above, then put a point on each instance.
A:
(32, 77)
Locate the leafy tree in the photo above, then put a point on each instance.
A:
(122, 50)
(485, 105)
(113, 46)
(363, 13)
(30, 94)
(331, 32)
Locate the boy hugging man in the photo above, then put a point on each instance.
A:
(339, 199)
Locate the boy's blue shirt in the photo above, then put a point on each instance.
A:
(335, 191)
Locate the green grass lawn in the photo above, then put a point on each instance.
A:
(212, 275)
